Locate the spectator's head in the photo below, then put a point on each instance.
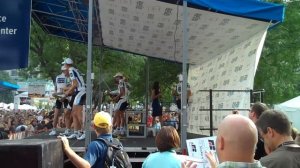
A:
(41, 126)
(13, 122)
(235, 112)
(21, 121)
(238, 145)
(22, 128)
(102, 123)
(167, 139)
(2, 126)
(3, 135)
(34, 122)
(256, 110)
(12, 129)
(294, 133)
(297, 140)
(274, 127)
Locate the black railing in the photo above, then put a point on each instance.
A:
(255, 96)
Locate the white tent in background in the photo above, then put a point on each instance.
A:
(27, 107)
(2, 105)
(292, 109)
(24, 94)
(8, 106)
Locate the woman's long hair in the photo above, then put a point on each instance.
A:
(155, 87)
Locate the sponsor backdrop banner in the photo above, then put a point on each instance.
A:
(231, 70)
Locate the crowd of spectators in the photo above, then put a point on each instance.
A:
(20, 124)
(270, 128)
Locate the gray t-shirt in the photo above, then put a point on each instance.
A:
(284, 156)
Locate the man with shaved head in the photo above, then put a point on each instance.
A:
(235, 144)
(236, 141)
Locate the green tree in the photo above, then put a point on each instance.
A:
(46, 53)
(279, 68)
(6, 96)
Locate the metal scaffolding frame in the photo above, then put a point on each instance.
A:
(65, 18)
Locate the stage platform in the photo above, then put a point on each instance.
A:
(137, 148)
(130, 144)
(141, 143)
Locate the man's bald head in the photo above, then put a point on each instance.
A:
(236, 140)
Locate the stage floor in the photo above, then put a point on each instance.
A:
(137, 148)
(129, 144)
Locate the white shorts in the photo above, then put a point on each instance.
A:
(121, 105)
(80, 98)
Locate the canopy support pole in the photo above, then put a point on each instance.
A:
(89, 94)
(101, 79)
(184, 123)
(147, 88)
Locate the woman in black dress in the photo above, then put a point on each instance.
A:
(156, 108)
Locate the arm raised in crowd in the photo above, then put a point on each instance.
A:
(75, 159)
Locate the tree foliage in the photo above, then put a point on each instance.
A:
(6, 96)
(279, 68)
(46, 53)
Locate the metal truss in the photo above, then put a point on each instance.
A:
(64, 18)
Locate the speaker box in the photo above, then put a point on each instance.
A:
(31, 153)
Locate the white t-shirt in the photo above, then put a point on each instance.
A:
(40, 118)
(61, 83)
(18, 129)
(75, 75)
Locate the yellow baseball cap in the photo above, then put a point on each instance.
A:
(102, 119)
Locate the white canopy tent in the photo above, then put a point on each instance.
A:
(292, 109)
(199, 35)
(27, 107)
(10, 106)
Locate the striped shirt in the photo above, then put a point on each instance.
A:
(122, 84)
(75, 75)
